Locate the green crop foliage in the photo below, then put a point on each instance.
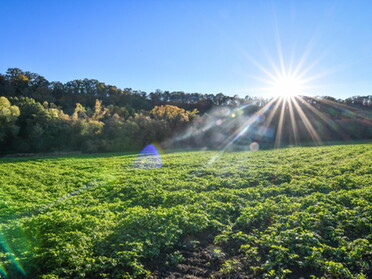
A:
(288, 213)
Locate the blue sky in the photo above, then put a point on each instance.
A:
(193, 46)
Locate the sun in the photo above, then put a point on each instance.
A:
(287, 86)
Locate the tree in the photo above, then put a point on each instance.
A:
(79, 112)
(99, 111)
(8, 118)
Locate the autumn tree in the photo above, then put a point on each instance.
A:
(8, 117)
(175, 116)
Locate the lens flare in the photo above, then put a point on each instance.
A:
(11, 255)
(254, 146)
(149, 158)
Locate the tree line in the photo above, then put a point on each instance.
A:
(87, 115)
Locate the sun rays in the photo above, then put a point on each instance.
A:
(291, 116)
(287, 85)
(278, 122)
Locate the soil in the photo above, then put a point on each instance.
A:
(201, 259)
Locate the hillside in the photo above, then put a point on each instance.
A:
(266, 214)
(89, 116)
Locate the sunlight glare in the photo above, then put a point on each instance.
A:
(287, 86)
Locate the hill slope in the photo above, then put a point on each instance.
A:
(279, 213)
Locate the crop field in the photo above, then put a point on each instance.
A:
(286, 213)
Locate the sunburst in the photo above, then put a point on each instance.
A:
(287, 86)
(291, 116)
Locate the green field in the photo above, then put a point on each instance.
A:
(281, 213)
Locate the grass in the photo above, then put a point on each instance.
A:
(268, 214)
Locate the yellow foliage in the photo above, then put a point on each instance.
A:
(169, 112)
(22, 78)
